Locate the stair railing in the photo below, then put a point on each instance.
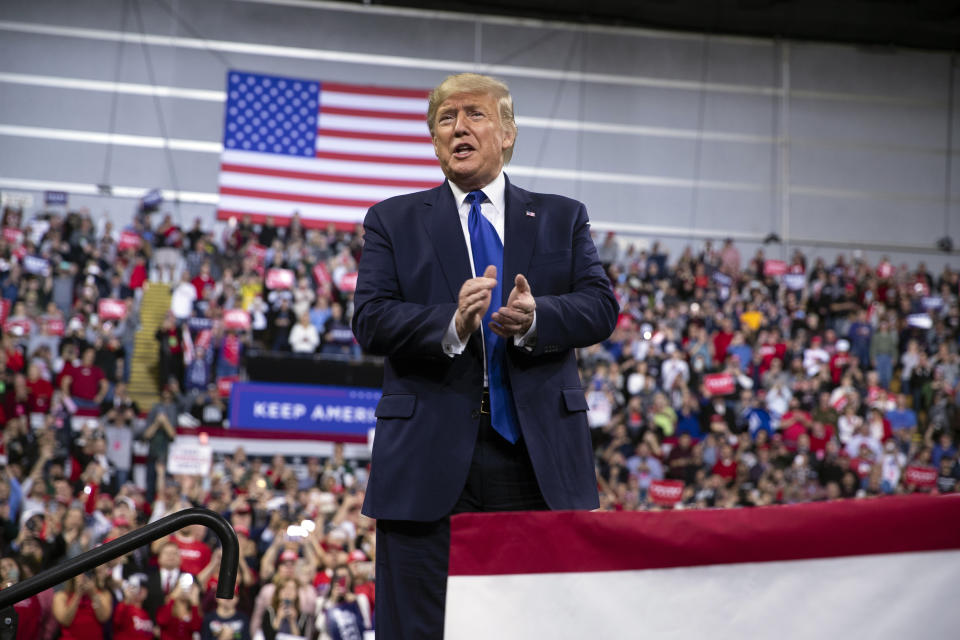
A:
(229, 561)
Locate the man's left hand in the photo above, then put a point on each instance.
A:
(515, 318)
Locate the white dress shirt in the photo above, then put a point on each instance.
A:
(494, 210)
(168, 579)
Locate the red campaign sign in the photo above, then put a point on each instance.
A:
(774, 268)
(923, 477)
(321, 274)
(666, 492)
(224, 385)
(13, 236)
(203, 339)
(348, 282)
(52, 325)
(884, 270)
(280, 279)
(236, 319)
(128, 240)
(719, 384)
(20, 327)
(111, 309)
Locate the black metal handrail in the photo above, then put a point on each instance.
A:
(229, 561)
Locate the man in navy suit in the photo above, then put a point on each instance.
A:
(477, 292)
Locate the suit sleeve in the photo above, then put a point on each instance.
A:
(383, 322)
(588, 313)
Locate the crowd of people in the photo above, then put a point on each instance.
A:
(727, 383)
(71, 290)
(752, 382)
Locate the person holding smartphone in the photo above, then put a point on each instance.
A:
(180, 616)
(226, 623)
(342, 613)
(283, 615)
(130, 620)
(81, 608)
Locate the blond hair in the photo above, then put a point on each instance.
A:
(475, 83)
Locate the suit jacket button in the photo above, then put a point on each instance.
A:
(475, 414)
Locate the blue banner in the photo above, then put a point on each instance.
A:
(55, 198)
(311, 410)
(36, 265)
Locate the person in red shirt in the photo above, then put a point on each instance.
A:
(795, 422)
(194, 552)
(130, 620)
(86, 385)
(29, 611)
(362, 570)
(862, 465)
(820, 435)
(81, 609)
(840, 360)
(180, 617)
(138, 274)
(16, 397)
(722, 340)
(772, 347)
(39, 391)
(726, 465)
(203, 281)
(15, 360)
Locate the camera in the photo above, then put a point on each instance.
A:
(186, 581)
(295, 532)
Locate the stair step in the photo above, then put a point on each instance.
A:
(144, 382)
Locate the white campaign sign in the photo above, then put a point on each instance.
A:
(188, 457)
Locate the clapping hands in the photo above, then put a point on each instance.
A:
(515, 318)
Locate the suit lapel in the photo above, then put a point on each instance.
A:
(520, 235)
(442, 222)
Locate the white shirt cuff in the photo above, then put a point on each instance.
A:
(452, 346)
(528, 340)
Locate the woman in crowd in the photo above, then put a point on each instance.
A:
(283, 614)
(130, 620)
(30, 610)
(82, 608)
(343, 613)
(180, 616)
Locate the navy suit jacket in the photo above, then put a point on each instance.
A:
(414, 262)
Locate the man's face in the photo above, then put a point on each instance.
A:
(469, 139)
(169, 557)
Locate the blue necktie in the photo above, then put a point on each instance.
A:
(487, 250)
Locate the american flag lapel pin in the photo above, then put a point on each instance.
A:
(531, 214)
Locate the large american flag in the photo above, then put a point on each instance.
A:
(326, 150)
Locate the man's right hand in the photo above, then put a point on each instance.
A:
(473, 302)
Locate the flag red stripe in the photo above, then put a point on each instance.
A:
(327, 177)
(356, 157)
(295, 197)
(282, 221)
(577, 541)
(373, 135)
(374, 91)
(370, 113)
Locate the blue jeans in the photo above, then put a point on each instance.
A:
(884, 369)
